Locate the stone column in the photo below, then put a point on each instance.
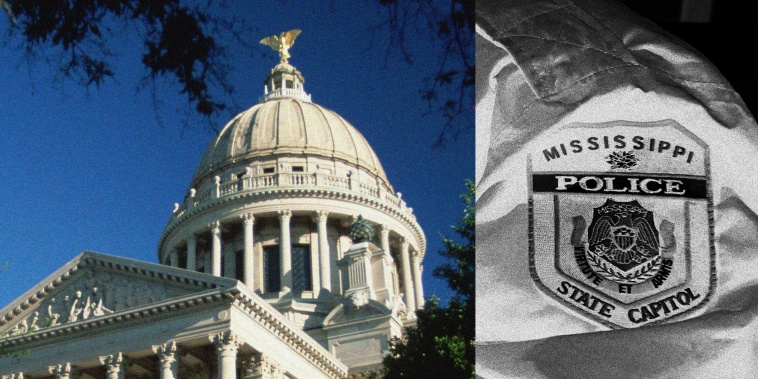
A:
(249, 262)
(323, 252)
(114, 364)
(169, 360)
(387, 264)
(285, 250)
(173, 258)
(216, 248)
(416, 265)
(227, 345)
(261, 366)
(192, 253)
(384, 232)
(410, 297)
(61, 371)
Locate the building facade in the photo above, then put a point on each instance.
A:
(259, 277)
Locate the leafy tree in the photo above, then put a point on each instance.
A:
(179, 41)
(441, 345)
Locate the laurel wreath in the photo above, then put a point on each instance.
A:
(607, 270)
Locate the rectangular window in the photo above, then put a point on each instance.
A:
(298, 169)
(271, 271)
(240, 265)
(301, 268)
(183, 258)
(268, 170)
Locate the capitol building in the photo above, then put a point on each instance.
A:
(290, 256)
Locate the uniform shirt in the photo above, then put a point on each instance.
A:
(616, 198)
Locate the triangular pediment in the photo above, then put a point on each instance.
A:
(94, 285)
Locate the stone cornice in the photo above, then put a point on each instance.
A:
(283, 192)
(297, 339)
(128, 266)
(133, 316)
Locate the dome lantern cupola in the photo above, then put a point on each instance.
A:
(284, 80)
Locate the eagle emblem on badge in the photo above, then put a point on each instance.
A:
(623, 242)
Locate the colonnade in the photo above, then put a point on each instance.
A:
(410, 262)
(229, 360)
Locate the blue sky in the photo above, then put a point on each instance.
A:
(93, 169)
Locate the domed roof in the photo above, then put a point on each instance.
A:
(288, 125)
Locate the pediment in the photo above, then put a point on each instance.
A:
(94, 285)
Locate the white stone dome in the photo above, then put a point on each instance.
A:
(288, 126)
(272, 204)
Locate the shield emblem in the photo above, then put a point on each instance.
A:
(621, 221)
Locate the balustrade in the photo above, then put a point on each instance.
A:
(231, 187)
(286, 92)
(252, 183)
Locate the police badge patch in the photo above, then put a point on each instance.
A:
(621, 221)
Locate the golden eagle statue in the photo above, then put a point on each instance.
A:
(282, 43)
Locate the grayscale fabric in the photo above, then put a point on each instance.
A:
(545, 66)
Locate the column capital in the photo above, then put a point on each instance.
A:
(226, 342)
(284, 214)
(404, 242)
(415, 255)
(260, 365)
(248, 218)
(322, 215)
(60, 371)
(215, 227)
(115, 365)
(166, 352)
(113, 360)
(384, 229)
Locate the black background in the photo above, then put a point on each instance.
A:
(729, 39)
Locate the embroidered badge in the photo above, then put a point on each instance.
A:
(621, 221)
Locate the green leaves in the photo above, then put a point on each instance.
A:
(460, 274)
(441, 345)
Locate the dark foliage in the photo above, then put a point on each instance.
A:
(441, 345)
(176, 40)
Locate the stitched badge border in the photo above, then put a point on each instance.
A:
(655, 301)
